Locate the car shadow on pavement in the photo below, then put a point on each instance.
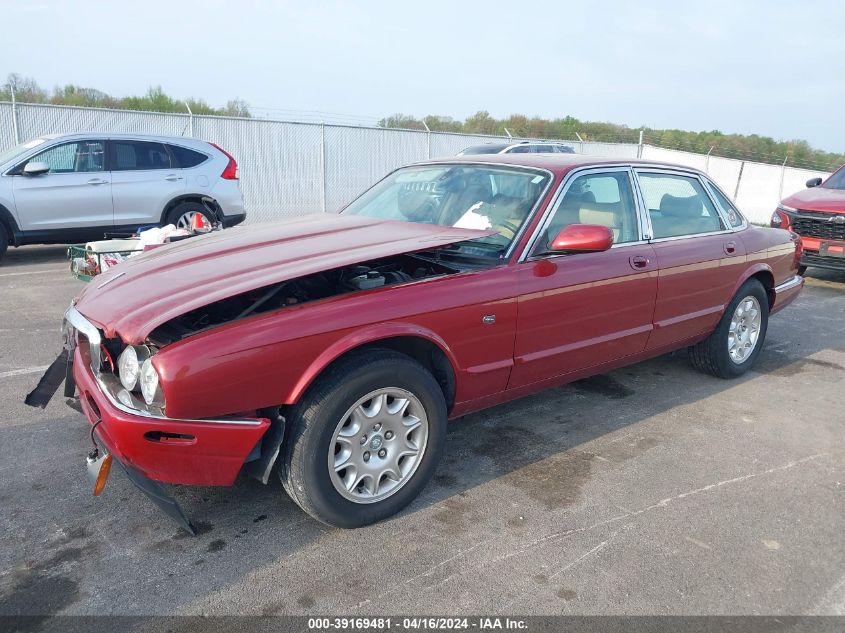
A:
(33, 255)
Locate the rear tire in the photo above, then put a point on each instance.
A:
(355, 414)
(733, 347)
(4, 240)
(802, 270)
(182, 215)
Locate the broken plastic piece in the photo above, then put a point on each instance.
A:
(49, 383)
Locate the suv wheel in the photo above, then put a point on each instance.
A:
(732, 349)
(182, 215)
(365, 440)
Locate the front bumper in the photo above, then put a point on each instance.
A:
(814, 259)
(232, 220)
(195, 452)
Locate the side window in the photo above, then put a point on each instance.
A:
(734, 218)
(520, 149)
(186, 157)
(543, 149)
(136, 155)
(678, 205)
(599, 198)
(81, 156)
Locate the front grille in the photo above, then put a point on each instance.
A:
(818, 225)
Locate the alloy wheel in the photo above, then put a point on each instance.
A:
(378, 445)
(744, 330)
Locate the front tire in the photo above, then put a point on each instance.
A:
(735, 345)
(365, 439)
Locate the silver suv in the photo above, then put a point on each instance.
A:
(60, 189)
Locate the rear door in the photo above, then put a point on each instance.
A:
(698, 256)
(145, 177)
(580, 311)
(76, 192)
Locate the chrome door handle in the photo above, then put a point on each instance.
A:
(173, 178)
(98, 181)
(638, 262)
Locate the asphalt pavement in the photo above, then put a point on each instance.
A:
(650, 490)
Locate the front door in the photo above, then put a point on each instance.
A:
(75, 193)
(578, 311)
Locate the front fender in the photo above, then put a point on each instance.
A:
(364, 336)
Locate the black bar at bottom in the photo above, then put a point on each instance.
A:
(157, 493)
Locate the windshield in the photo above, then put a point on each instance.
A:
(465, 196)
(11, 154)
(837, 180)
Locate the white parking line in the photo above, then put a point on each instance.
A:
(22, 372)
(34, 272)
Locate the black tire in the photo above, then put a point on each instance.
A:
(188, 207)
(802, 270)
(711, 355)
(311, 424)
(4, 240)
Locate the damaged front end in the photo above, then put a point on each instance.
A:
(400, 269)
(120, 334)
(152, 448)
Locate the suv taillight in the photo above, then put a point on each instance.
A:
(231, 171)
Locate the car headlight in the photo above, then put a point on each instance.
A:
(129, 365)
(149, 383)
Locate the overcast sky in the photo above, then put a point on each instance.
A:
(771, 68)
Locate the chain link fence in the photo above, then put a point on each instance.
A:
(289, 169)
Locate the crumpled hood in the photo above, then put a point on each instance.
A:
(133, 298)
(818, 199)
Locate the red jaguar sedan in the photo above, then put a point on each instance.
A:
(330, 350)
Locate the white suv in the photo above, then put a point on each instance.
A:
(60, 189)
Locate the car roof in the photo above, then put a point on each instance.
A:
(556, 163)
(124, 135)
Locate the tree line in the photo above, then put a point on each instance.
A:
(27, 90)
(796, 153)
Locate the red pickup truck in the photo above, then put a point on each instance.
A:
(817, 214)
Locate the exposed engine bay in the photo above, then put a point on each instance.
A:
(365, 276)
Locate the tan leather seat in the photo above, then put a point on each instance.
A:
(682, 216)
(607, 214)
(569, 212)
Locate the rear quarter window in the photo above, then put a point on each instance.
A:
(733, 216)
(185, 157)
